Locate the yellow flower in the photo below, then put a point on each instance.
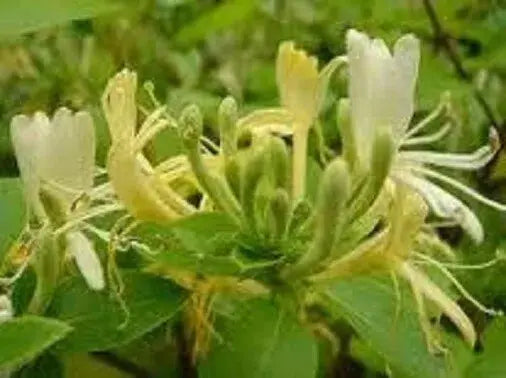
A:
(142, 188)
(393, 250)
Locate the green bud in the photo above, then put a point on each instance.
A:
(382, 155)
(227, 119)
(253, 171)
(381, 160)
(347, 134)
(54, 206)
(191, 126)
(334, 191)
(233, 175)
(278, 162)
(279, 212)
(222, 195)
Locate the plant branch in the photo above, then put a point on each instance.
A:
(443, 39)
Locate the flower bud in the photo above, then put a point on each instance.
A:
(253, 171)
(233, 176)
(381, 160)
(278, 162)
(334, 191)
(279, 211)
(54, 206)
(191, 126)
(347, 133)
(382, 154)
(227, 119)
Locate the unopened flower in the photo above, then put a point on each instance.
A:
(56, 159)
(381, 90)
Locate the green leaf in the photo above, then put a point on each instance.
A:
(261, 340)
(491, 364)
(222, 16)
(388, 325)
(201, 243)
(13, 210)
(27, 15)
(98, 318)
(22, 339)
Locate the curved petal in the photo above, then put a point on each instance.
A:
(445, 205)
(448, 306)
(86, 259)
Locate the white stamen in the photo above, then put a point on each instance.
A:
(431, 138)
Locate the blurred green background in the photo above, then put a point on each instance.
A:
(61, 53)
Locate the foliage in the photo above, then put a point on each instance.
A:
(208, 294)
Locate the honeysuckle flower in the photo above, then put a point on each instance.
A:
(302, 89)
(143, 189)
(381, 90)
(56, 161)
(394, 249)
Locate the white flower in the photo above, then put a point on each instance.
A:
(381, 90)
(58, 155)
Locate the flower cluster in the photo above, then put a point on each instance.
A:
(369, 215)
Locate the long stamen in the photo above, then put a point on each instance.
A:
(481, 266)
(149, 133)
(463, 188)
(210, 144)
(443, 105)
(459, 286)
(151, 119)
(431, 138)
(94, 212)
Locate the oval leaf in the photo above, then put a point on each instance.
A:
(99, 320)
(22, 339)
(260, 340)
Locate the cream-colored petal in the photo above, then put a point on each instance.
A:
(67, 156)
(297, 80)
(432, 292)
(359, 91)
(406, 60)
(118, 102)
(86, 260)
(27, 135)
(445, 205)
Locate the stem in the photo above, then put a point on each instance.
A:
(299, 162)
